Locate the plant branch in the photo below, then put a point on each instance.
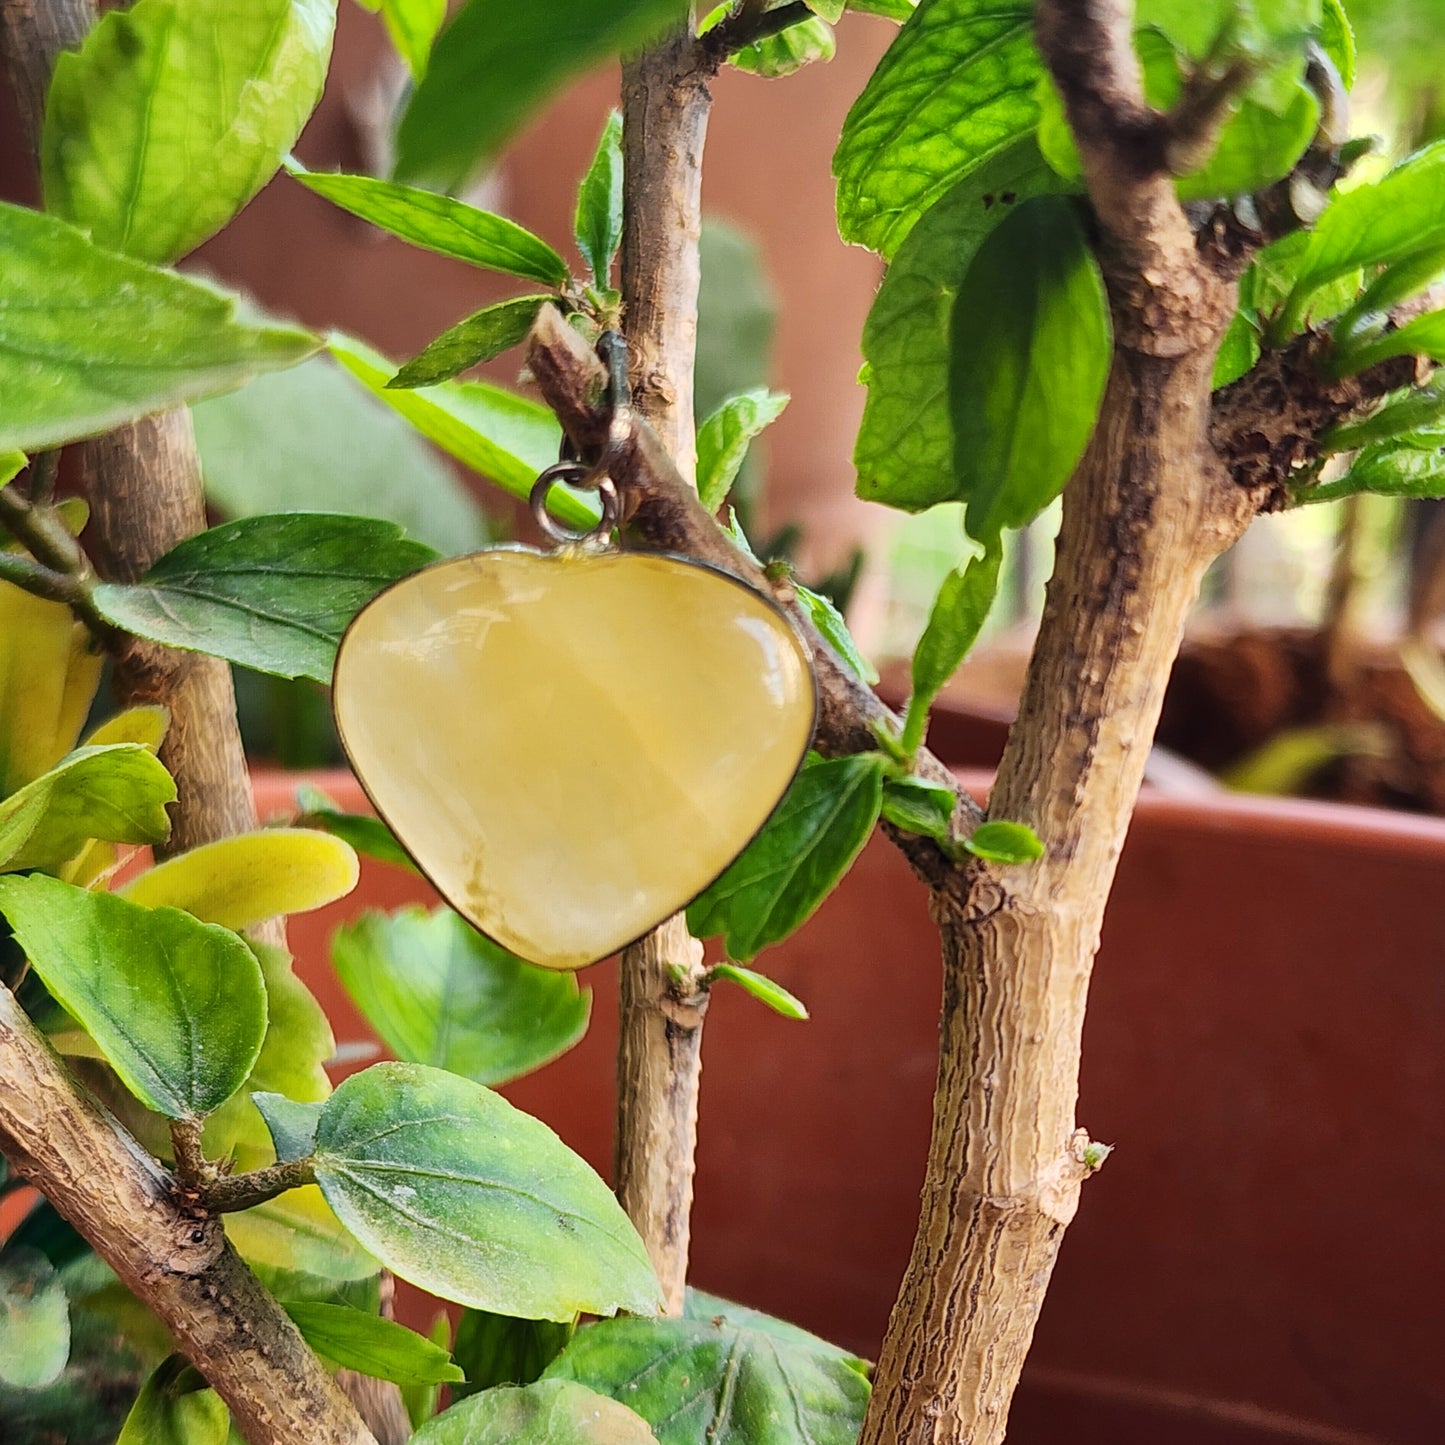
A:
(747, 25)
(1149, 254)
(662, 1002)
(235, 1192)
(1191, 129)
(170, 1255)
(42, 532)
(192, 1170)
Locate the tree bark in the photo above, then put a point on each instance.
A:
(144, 485)
(1144, 516)
(662, 1003)
(172, 1256)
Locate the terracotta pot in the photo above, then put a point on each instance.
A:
(1259, 1261)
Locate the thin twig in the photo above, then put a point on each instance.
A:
(45, 536)
(1191, 129)
(192, 1170)
(746, 26)
(661, 1001)
(235, 1192)
(44, 468)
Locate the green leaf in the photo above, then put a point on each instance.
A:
(480, 337)
(1405, 412)
(175, 1408)
(369, 836)
(174, 113)
(499, 1350)
(248, 878)
(497, 61)
(413, 25)
(89, 339)
(918, 806)
(439, 223)
(440, 993)
(723, 440)
(722, 1374)
(761, 987)
(465, 1196)
(959, 612)
(292, 1126)
(1375, 225)
(34, 1320)
(177, 1007)
(789, 50)
(904, 451)
(737, 315)
(552, 1412)
(829, 10)
(1338, 38)
(1401, 467)
(598, 222)
(829, 621)
(1257, 147)
(11, 465)
(274, 593)
(807, 845)
(313, 438)
(1004, 843)
(890, 9)
(1032, 345)
(371, 1346)
(117, 792)
(494, 432)
(955, 88)
(1422, 336)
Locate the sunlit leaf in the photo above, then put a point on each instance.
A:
(552, 1412)
(803, 43)
(723, 440)
(174, 113)
(458, 1192)
(496, 433)
(955, 88)
(497, 60)
(274, 593)
(904, 451)
(371, 1346)
(722, 1374)
(150, 338)
(1003, 842)
(176, 1408)
(413, 25)
(1032, 346)
(178, 1007)
(118, 793)
(803, 850)
(759, 986)
(598, 222)
(439, 223)
(241, 881)
(34, 1320)
(480, 337)
(440, 993)
(959, 612)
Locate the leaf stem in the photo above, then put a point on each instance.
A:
(746, 26)
(192, 1168)
(235, 1192)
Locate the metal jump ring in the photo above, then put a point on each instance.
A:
(578, 475)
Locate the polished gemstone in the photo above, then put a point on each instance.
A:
(573, 746)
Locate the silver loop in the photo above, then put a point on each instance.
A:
(575, 474)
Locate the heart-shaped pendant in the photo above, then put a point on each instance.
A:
(573, 745)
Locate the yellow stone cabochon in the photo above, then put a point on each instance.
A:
(573, 745)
